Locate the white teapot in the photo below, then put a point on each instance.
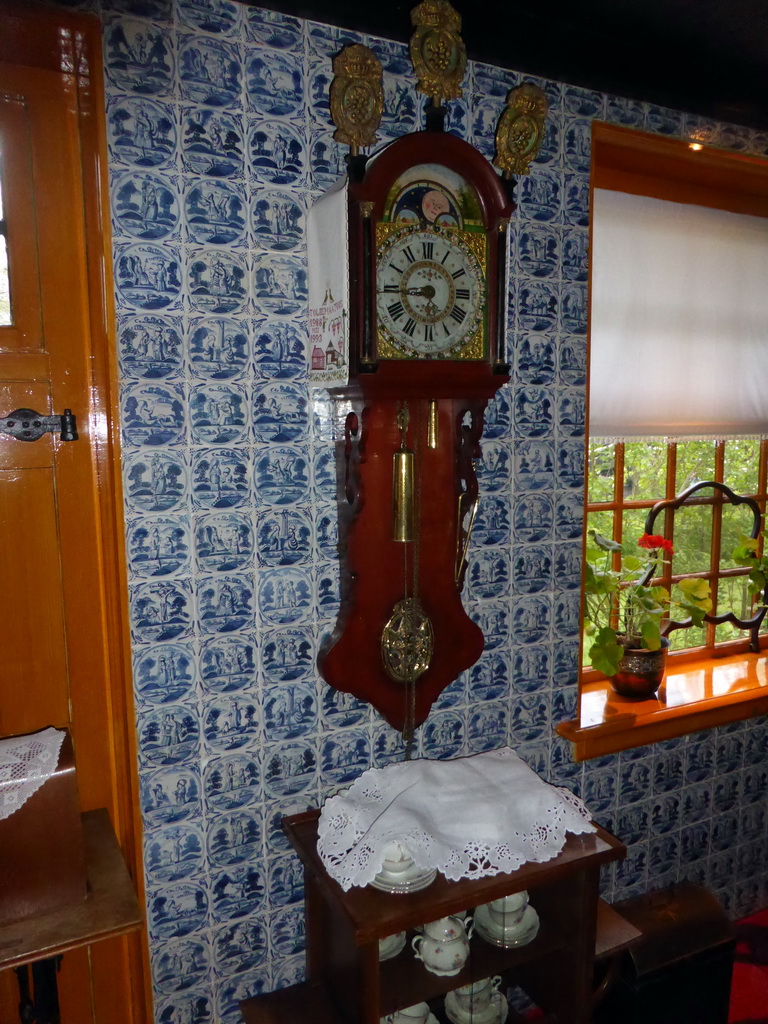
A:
(444, 946)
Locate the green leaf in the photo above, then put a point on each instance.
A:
(651, 635)
(606, 653)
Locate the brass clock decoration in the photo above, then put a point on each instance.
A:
(520, 131)
(357, 97)
(437, 50)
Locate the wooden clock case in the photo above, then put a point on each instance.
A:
(375, 568)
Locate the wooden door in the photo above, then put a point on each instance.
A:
(62, 630)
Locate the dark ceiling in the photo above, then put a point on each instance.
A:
(704, 56)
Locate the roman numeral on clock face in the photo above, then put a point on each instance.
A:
(458, 314)
(391, 289)
(458, 273)
(428, 334)
(428, 249)
(410, 327)
(408, 253)
(462, 293)
(396, 310)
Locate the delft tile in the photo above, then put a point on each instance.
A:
(550, 153)
(485, 117)
(277, 152)
(138, 57)
(600, 792)
(285, 596)
(577, 144)
(220, 478)
(286, 928)
(239, 947)
(565, 672)
(747, 898)
(541, 197)
(574, 264)
(224, 603)
(583, 103)
(344, 756)
(497, 421)
(169, 735)
(533, 517)
(567, 611)
(443, 735)
(273, 29)
(533, 412)
(231, 723)
(695, 842)
(277, 220)
(326, 160)
(492, 526)
(726, 792)
(663, 855)
(632, 872)
(148, 277)
(756, 745)
(630, 113)
(458, 120)
(214, 212)
(219, 348)
(725, 832)
(220, 17)
(754, 784)
(400, 105)
(158, 546)
(750, 859)
(289, 768)
(393, 55)
(721, 871)
(576, 199)
(531, 619)
(387, 746)
(160, 611)
(569, 515)
(489, 573)
(158, 10)
(237, 892)
(286, 654)
(285, 881)
(288, 971)
(700, 758)
(666, 813)
(570, 464)
(494, 469)
(573, 308)
(145, 206)
(177, 910)
(324, 41)
(752, 821)
(529, 719)
(668, 771)
(531, 670)
(150, 347)
(210, 72)
(234, 838)
(289, 711)
(534, 464)
(573, 361)
(280, 284)
(562, 766)
(493, 82)
(153, 415)
(319, 77)
(173, 853)
(280, 350)
(341, 710)
(216, 281)
(325, 482)
(493, 618)
(274, 83)
(633, 821)
(735, 138)
(231, 782)
(142, 132)
(565, 703)
(567, 567)
(226, 664)
(538, 305)
(488, 727)
(284, 537)
(212, 142)
(453, 696)
(218, 414)
(169, 795)
(489, 678)
(280, 413)
(327, 591)
(729, 753)
(532, 570)
(539, 251)
(223, 542)
(663, 120)
(697, 802)
(188, 1008)
(230, 993)
(181, 964)
(634, 781)
(165, 673)
(571, 413)
(697, 873)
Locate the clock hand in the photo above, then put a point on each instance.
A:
(427, 291)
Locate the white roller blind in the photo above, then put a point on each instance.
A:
(679, 320)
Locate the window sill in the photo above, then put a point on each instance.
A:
(696, 695)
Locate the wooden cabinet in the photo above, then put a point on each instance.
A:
(347, 982)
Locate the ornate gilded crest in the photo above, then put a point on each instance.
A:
(521, 129)
(357, 97)
(437, 51)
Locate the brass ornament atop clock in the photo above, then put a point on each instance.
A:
(427, 241)
(357, 97)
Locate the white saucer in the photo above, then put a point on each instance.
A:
(395, 945)
(521, 935)
(431, 1019)
(496, 1012)
(407, 881)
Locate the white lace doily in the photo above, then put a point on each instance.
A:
(469, 817)
(26, 763)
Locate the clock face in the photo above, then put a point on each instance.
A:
(430, 297)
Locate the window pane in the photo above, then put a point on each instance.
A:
(737, 522)
(695, 462)
(634, 528)
(692, 541)
(732, 596)
(5, 291)
(742, 459)
(601, 471)
(600, 522)
(682, 639)
(645, 471)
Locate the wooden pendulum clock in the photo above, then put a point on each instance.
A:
(427, 222)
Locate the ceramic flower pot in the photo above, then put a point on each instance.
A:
(641, 672)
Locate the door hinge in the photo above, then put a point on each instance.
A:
(28, 425)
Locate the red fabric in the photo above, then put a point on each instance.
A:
(749, 990)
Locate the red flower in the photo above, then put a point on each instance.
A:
(654, 542)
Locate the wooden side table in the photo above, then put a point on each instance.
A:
(347, 984)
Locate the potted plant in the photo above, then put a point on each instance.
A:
(625, 610)
(747, 553)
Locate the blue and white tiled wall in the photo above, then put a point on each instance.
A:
(219, 141)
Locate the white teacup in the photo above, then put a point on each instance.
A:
(391, 944)
(397, 859)
(476, 998)
(416, 1014)
(507, 912)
